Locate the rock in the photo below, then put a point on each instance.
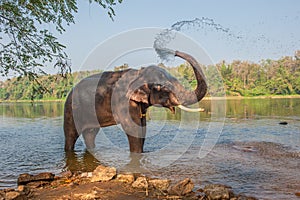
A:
(66, 174)
(218, 192)
(2, 195)
(283, 123)
(125, 178)
(7, 190)
(89, 174)
(24, 189)
(86, 175)
(244, 197)
(24, 179)
(27, 178)
(87, 196)
(102, 173)
(182, 188)
(297, 194)
(141, 183)
(64, 197)
(37, 184)
(15, 196)
(162, 185)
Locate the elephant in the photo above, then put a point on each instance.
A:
(123, 97)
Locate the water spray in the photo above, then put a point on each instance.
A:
(166, 36)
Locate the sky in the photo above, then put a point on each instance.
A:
(262, 29)
(257, 30)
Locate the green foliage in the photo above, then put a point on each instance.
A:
(25, 45)
(243, 78)
(269, 77)
(56, 87)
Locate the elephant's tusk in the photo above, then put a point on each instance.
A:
(191, 109)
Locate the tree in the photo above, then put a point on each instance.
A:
(25, 45)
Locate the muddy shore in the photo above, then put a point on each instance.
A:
(107, 183)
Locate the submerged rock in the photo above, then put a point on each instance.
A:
(182, 188)
(283, 123)
(102, 173)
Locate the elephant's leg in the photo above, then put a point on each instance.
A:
(89, 136)
(71, 134)
(135, 130)
(136, 136)
(71, 137)
(143, 131)
(136, 144)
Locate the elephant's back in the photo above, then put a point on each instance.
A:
(98, 84)
(104, 78)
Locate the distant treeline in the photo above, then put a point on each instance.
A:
(50, 87)
(268, 77)
(239, 78)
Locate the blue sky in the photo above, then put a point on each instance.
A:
(268, 28)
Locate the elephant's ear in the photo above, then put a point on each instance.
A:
(140, 94)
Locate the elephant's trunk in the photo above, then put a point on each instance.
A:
(192, 97)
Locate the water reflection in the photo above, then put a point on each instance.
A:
(237, 108)
(32, 110)
(255, 108)
(82, 161)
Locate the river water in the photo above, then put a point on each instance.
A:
(250, 151)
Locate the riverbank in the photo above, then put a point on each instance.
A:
(34, 101)
(106, 183)
(205, 98)
(253, 97)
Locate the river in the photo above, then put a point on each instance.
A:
(237, 142)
